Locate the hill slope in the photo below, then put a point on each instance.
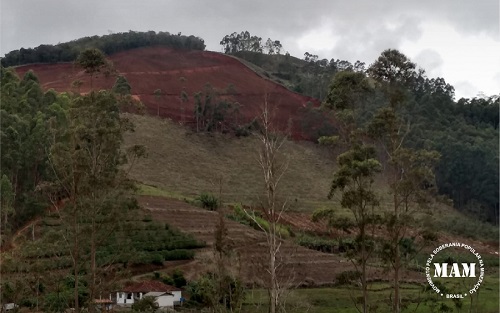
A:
(172, 71)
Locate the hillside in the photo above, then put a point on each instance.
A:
(182, 164)
(202, 150)
(174, 71)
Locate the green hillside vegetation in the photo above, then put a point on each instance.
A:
(62, 153)
(463, 131)
(109, 44)
(403, 164)
(182, 164)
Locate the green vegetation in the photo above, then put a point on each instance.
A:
(212, 112)
(65, 176)
(146, 190)
(317, 243)
(109, 44)
(65, 152)
(208, 201)
(146, 304)
(256, 221)
(341, 299)
(463, 131)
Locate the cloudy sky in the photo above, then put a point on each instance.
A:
(455, 39)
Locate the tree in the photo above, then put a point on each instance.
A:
(210, 109)
(273, 46)
(273, 168)
(121, 86)
(158, 93)
(6, 200)
(354, 179)
(184, 97)
(269, 46)
(87, 161)
(241, 42)
(357, 166)
(395, 73)
(92, 61)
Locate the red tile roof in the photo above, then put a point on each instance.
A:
(148, 286)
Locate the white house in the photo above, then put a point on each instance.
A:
(164, 299)
(166, 295)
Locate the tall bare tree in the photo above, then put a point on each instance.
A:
(274, 165)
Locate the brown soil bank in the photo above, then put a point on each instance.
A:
(172, 71)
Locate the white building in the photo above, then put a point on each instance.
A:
(164, 299)
(166, 296)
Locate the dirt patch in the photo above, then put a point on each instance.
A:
(173, 71)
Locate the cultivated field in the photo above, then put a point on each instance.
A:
(303, 266)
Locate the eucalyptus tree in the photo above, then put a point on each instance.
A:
(357, 167)
(409, 171)
(93, 61)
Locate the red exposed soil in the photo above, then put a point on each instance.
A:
(172, 71)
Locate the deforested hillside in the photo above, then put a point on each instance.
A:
(169, 82)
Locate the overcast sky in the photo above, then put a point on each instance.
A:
(455, 39)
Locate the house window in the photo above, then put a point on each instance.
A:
(129, 296)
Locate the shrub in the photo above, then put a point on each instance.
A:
(317, 243)
(208, 201)
(179, 254)
(347, 277)
(168, 280)
(178, 278)
(146, 304)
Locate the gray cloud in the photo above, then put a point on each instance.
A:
(30, 23)
(360, 29)
(431, 61)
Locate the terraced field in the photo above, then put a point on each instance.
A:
(303, 266)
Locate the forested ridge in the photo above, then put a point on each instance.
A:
(109, 44)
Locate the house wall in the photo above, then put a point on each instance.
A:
(127, 297)
(165, 301)
(177, 296)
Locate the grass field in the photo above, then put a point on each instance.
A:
(181, 164)
(342, 299)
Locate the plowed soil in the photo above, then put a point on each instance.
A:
(301, 266)
(173, 71)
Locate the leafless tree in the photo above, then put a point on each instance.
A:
(273, 165)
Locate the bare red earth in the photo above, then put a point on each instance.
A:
(172, 71)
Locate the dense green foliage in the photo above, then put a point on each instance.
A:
(146, 304)
(245, 42)
(26, 114)
(109, 44)
(212, 112)
(463, 131)
(64, 151)
(309, 76)
(208, 201)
